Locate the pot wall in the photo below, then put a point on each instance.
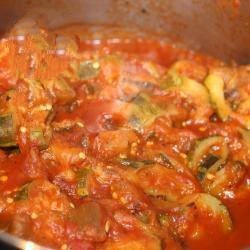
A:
(217, 27)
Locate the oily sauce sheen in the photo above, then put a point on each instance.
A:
(122, 143)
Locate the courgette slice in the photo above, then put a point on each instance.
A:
(204, 158)
(215, 206)
(208, 204)
(187, 86)
(215, 86)
(192, 92)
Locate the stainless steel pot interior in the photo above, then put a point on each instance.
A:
(218, 27)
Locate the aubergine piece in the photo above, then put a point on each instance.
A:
(90, 220)
(144, 112)
(7, 131)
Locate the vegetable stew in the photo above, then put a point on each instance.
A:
(124, 144)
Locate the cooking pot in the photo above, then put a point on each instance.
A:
(218, 28)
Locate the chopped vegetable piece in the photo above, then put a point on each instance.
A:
(212, 205)
(40, 41)
(204, 157)
(168, 183)
(163, 159)
(88, 70)
(209, 161)
(163, 219)
(215, 86)
(7, 131)
(22, 193)
(190, 91)
(174, 81)
(37, 137)
(190, 69)
(143, 217)
(219, 180)
(114, 142)
(89, 217)
(144, 112)
(36, 90)
(82, 178)
(60, 89)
